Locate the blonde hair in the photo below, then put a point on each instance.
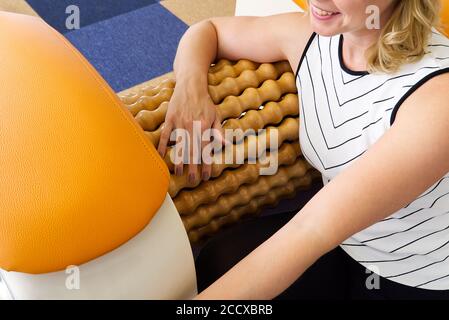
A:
(405, 37)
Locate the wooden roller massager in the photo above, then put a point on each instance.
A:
(248, 96)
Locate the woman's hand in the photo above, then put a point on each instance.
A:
(260, 39)
(189, 107)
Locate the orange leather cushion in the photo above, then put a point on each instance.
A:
(444, 13)
(301, 3)
(445, 16)
(77, 176)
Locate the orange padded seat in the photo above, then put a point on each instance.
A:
(77, 176)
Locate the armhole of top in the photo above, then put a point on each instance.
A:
(413, 89)
(309, 43)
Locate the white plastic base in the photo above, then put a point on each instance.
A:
(155, 264)
(4, 293)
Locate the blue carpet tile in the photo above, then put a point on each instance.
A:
(133, 47)
(91, 11)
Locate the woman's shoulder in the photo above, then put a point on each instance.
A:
(296, 31)
(427, 97)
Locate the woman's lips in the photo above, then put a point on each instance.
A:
(323, 14)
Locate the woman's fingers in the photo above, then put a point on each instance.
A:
(214, 142)
(179, 150)
(206, 152)
(194, 150)
(206, 167)
(178, 155)
(196, 140)
(165, 136)
(218, 132)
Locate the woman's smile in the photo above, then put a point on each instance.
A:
(322, 14)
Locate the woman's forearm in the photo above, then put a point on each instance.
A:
(196, 51)
(271, 268)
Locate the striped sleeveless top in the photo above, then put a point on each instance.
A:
(342, 114)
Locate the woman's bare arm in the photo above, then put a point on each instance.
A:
(261, 39)
(407, 160)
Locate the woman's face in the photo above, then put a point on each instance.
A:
(332, 17)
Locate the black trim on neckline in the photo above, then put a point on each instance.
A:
(309, 43)
(342, 63)
(413, 89)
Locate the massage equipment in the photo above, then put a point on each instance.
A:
(84, 208)
(287, 131)
(248, 96)
(254, 207)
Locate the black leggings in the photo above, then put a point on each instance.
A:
(335, 276)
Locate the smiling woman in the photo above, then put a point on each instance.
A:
(405, 30)
(384, 202)
(444, 13)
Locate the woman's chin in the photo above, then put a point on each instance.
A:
(326, 31)
(326, 28)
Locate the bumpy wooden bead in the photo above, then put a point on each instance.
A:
(147, 91)
(225, 203)
(247, 79)
(188, 200)
(150, 102)
(288, 130)
(229, 70)
(151, 120)
(252, 208)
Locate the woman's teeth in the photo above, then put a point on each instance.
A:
(323, 13)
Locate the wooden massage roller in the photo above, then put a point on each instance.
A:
(225, 69)
(187, 201)
(247, 79)
(225, 203)
(270, 113)
(151, 117)
(151, 97)
(248, 96)
(287, 131)
(254, 207)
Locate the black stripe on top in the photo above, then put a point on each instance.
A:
(341, 104)
(413, 89)
(342, 63)
(417, 269)
(309, 43)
